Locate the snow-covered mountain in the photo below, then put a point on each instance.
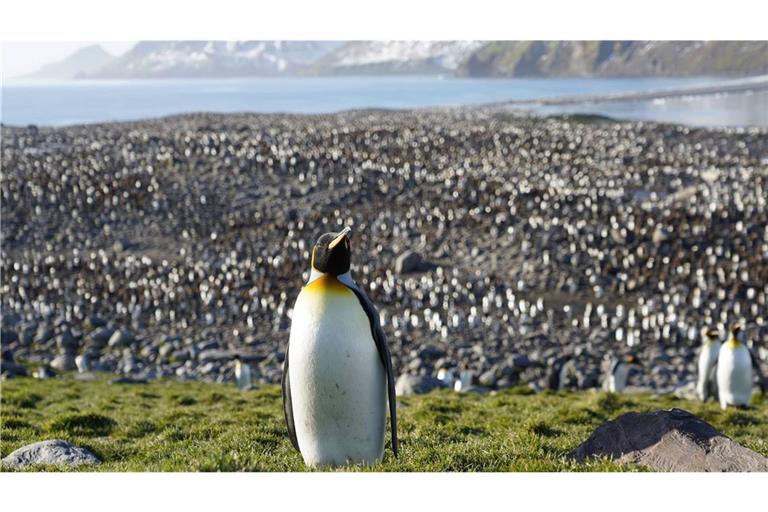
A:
(156, 59)
(84, 60)
(217, 59)
(368, 57)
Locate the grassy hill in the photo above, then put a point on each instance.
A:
(195, 426)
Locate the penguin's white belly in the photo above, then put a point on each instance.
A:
(707, 362)
(338, 383)
(618, 380)
(734, 376)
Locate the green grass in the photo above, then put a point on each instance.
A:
(194, 426)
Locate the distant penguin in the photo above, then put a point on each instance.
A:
(706, 384)
(562, 375)
(446, 376)
(44, 372)
(242, 374)
(466, 377)
(337, 373)
(83, 363)
(734, 371)
(616, 371)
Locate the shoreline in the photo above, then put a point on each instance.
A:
(527, 106)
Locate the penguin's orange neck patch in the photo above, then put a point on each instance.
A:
(326, 283)
(733, 342)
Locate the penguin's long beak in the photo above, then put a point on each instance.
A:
(341, 236)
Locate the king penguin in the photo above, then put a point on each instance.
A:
(242, 374)
(706, 384)
(337, 373)
(734, 371)
(616, 372)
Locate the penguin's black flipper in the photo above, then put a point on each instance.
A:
(287, 404)
(386, 358)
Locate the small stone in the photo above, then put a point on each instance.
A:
(408, 385)
(214, 355)
(64, 362)
(179, 356)
(44, 333)
(8, 336)
(55, 452)
(101, 336)
(120, 338)
(127, 379)
(431, 352)
(488, 378)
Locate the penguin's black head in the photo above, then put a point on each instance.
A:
(632, 359)
(736, 328)
(332, 253)
(712, 333)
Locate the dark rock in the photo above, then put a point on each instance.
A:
(408, 261)
(66, 340)
(213, 355)
(431, 352)
(10, 368)
(27, 333)
(520, 361)
(8, 336)
(96, 321)
(179, 356)
(44, 333)
(120, 338)
(207, 345)
(488, 378)
(10, 319)
(53, 451)
(129, 380)
(64, 362)
(407, 385)
(506, 382)
(101, 335)
(673, 440)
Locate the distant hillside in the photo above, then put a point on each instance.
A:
(616, 58)
(207, 59)
(217, 59)
(396, 57)
(84, 60)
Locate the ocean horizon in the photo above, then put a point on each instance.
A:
(63, 103)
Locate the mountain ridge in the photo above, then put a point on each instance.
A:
(471, 59)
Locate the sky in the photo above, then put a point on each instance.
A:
(22, 58)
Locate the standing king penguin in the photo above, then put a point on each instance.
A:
(706, 384)
(616, 372)
(734, 371)
(337, 373)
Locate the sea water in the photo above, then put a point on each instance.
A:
(80, 101)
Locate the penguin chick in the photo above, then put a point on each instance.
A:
(734, 371)
(706, 384)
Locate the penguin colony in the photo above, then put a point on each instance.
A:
(161, 248)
